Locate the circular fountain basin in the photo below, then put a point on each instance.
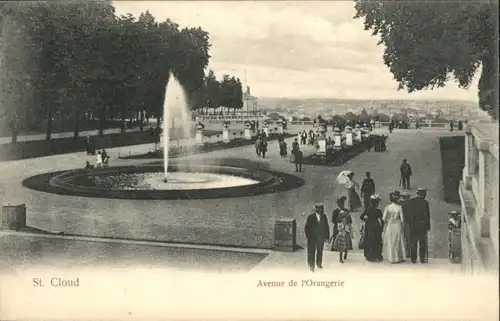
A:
(147, 182)
(186, 181)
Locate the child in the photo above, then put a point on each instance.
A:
(343, 242)
(88, 165)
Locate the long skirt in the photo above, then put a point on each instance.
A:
(342, 242)
(334, 236)
(373, 241)
(394, 248)
(353, 199)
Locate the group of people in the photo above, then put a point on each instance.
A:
(397, 233)
(460, 125)
(297, 155)
(102, 160)
(307, 137)
(261, 144)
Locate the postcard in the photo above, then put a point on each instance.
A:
(248, 160)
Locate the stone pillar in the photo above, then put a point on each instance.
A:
(13, 217)
(468, 168)
(348, 138)
(285, 235)
(280, 126)
(357, 133)
(337, 137)
(483, 192)
(225, 135)
(321, 146)
(248, 133)
(199, 135)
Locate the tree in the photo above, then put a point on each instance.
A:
(273, 116)
(68, 61)
(427, 42)
(212, 91)
(381, 117)
(350, 116)
(231, 92)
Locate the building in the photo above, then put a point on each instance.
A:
(249, 102)
(479, 197)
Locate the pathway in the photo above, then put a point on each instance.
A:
(420, 148)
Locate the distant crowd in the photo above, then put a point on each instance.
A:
(101, 157)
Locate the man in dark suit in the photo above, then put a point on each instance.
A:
(367, 189)
(420, 225)
(406, 173)
(317, 232)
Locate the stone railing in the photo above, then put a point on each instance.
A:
(479, 198)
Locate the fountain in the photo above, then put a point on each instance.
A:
(175, 112)
(167, 180)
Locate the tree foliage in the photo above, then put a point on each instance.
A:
(427, 42)
(68, 62)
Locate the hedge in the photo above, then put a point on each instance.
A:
(41, 148)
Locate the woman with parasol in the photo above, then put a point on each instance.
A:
(353, 200)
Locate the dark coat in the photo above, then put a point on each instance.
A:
(299, 157)
(317, 232)
(406, 206)
(405, 169)
(420, 216)
(368, 186)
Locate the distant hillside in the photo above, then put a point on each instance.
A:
(322, 105)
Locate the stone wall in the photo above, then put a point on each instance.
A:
(479, 199)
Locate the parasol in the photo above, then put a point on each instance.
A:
(342, 178)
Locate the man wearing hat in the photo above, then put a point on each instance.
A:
(317, 233)
(406, 173)
(406, 206)
(367, 189)
(420, 225)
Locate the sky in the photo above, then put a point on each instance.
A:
(299, 49)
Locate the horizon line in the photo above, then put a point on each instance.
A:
(364, 99)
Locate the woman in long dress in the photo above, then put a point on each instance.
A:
(257, 145)
(353, 200)
(98, 160)
(372, 216)
(394, 241)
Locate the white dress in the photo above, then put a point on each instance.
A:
(98, 160)
(393, 240)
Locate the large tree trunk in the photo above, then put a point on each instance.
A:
(76, 130)
(141, 120)
(123, 116)
(102, 120)
(14, 132)
(48, 132)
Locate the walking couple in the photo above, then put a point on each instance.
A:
(397, 232)
(317, 232)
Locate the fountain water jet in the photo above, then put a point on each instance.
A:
(175, 116)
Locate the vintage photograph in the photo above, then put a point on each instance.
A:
(306, 160)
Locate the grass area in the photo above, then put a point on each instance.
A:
(206, 148)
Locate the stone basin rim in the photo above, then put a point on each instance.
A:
(268, 182)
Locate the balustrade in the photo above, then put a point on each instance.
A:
(479, 196)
